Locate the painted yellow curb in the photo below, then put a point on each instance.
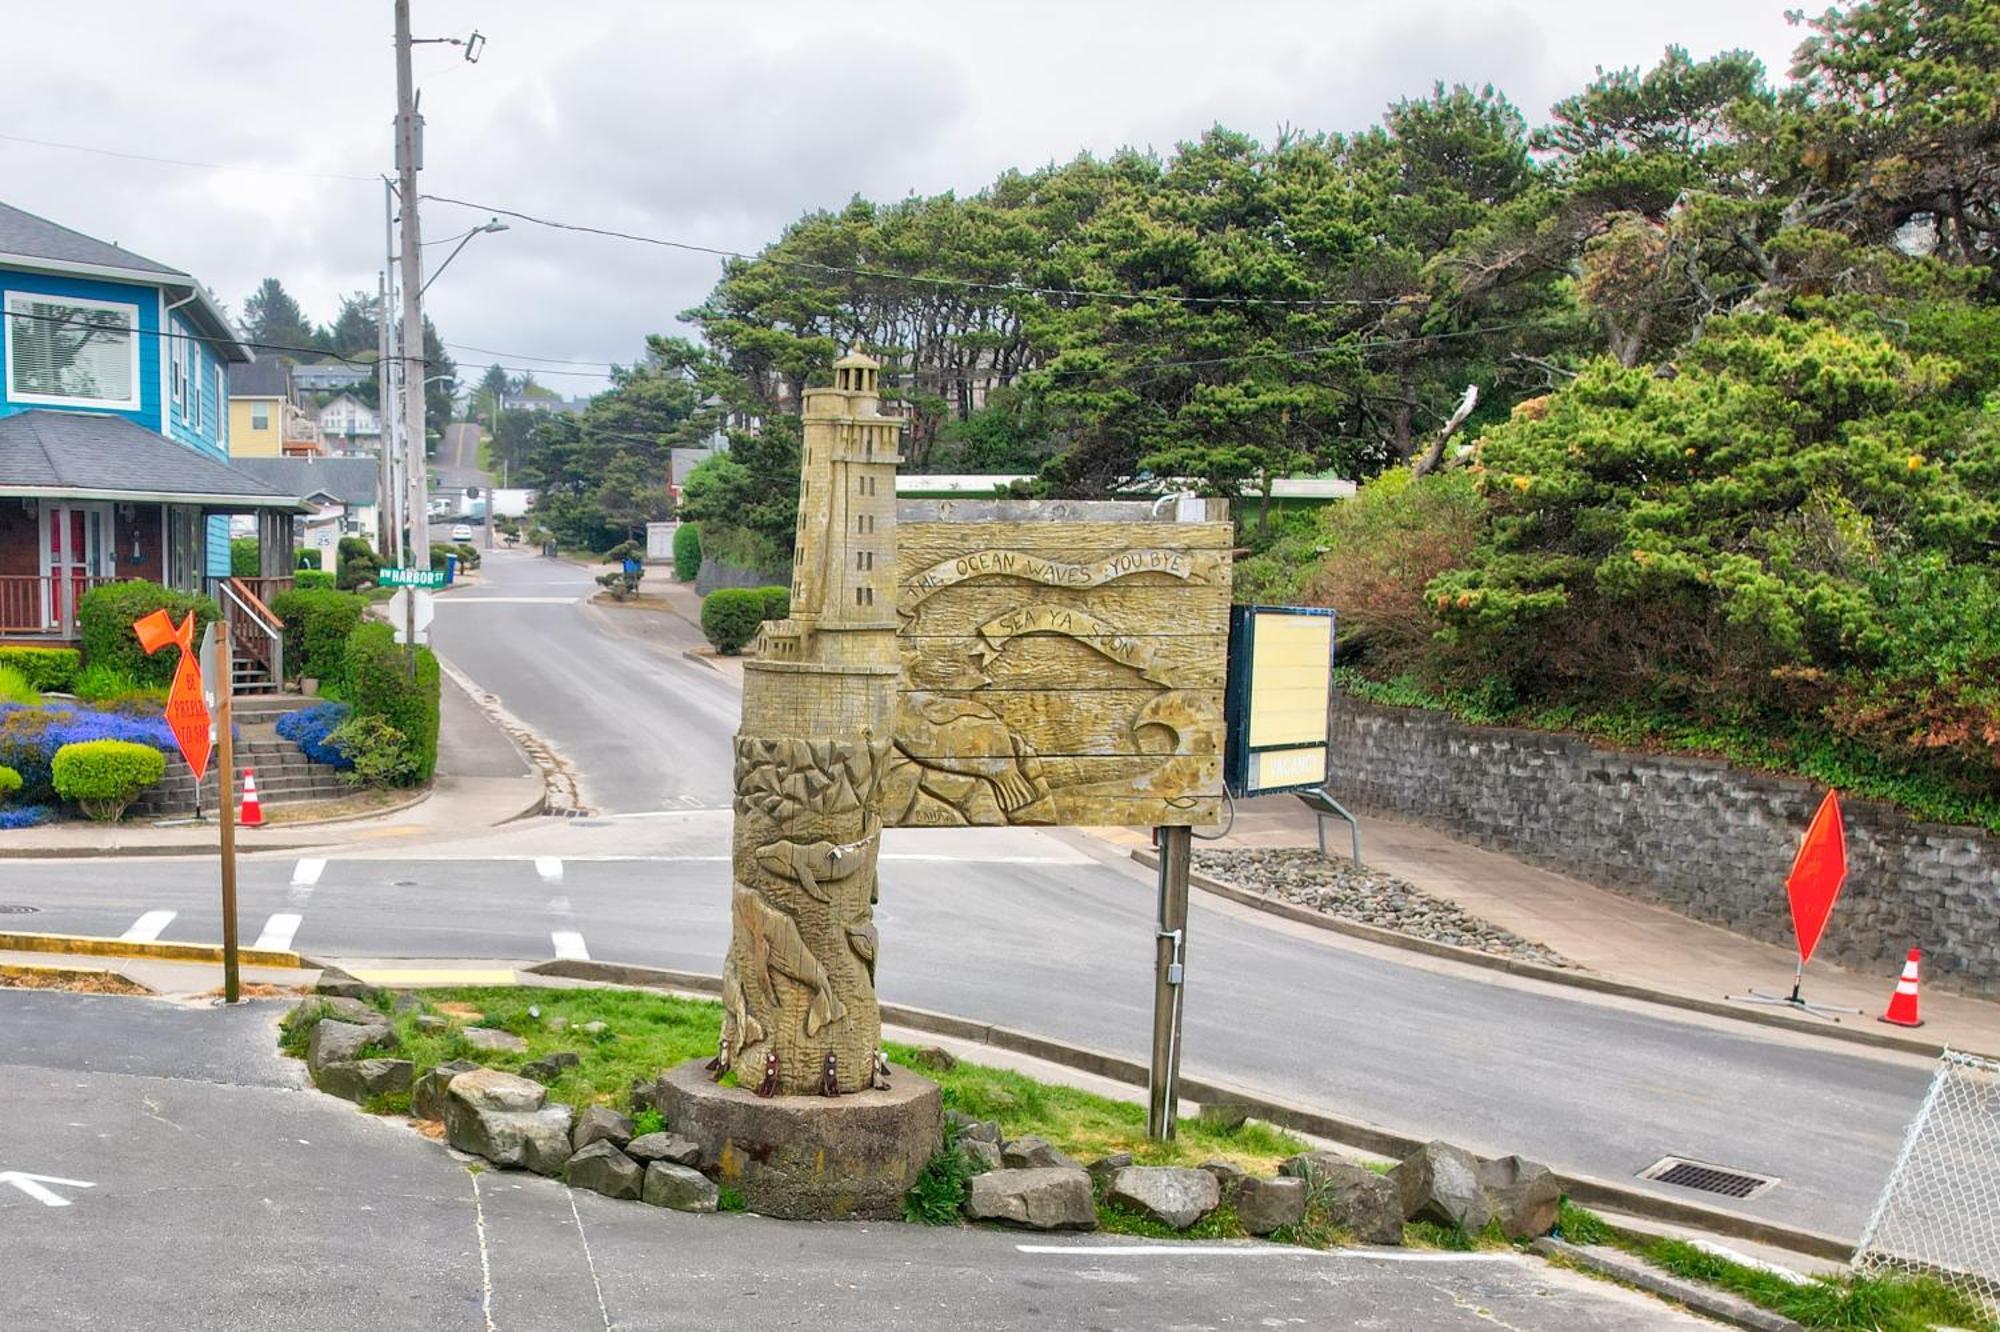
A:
(87, 945)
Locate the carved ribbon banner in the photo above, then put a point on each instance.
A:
(1041, 569)
(1085, 628)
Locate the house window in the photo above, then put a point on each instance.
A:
(194, 385)
(72, 352)
(177, 359)
(260, 416)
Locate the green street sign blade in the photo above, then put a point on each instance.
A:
(411, 577)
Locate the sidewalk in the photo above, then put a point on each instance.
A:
(1617, 937)
(661, 595)
(482, 780)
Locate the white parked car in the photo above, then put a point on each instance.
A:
(461, 533)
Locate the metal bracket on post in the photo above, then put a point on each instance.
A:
(1323, 806)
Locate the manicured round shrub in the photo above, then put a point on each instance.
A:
(687, 551)
(777, 602)
(105, 776)
(317, 623)
(730, 616)
(314, 579)
(51, 670)
(105, 616)
(10, 782)
(376, 753)
(30, 737)
(358, 564)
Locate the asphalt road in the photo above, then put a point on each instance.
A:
(198, 1187)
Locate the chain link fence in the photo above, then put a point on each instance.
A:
(1939, 1215)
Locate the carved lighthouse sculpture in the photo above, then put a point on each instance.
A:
(819, 699)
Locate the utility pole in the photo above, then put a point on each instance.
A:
(408, 147)
(388, 535)
(225, 760)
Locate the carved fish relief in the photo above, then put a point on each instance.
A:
(808, 864)
(739, 1028)
(863, 938)
(775, 946)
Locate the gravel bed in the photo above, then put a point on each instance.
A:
(1299, 875)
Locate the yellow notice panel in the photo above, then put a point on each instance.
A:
(1291, 670)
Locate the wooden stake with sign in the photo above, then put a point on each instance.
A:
(201, 733)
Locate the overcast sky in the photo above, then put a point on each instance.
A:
(714, 123)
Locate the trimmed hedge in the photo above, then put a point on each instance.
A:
(358, 564)
(317, 625)
(378, 684)
(52, 670)
(10, 782)
(105, 617)
(312, 580)
(687, 551)
(730, 617)
(777, 602)
(31, 737)
(104, 776)
(243, 557)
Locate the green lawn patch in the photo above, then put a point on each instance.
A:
(1852, 1301)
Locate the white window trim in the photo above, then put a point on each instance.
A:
(131, 404)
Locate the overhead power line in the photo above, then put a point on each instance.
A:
(964, 284)
(181, 161)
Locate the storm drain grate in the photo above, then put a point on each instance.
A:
(16, 909)
(1686, 1174)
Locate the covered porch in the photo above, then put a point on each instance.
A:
(91, 500)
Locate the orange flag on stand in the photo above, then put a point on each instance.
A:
(1817, 874)
(187, 710)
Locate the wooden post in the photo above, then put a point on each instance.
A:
(225, 758)
(1169, 979)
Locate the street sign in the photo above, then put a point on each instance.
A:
(410, 577)
(210, 661)
(33, 1186)
(1280, 679)
(400, 613)
(187, 708)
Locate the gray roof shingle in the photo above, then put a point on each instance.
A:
(349, 480)
(35, 237)
(265, 377)
(53, 453)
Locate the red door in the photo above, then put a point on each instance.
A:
(75, 536)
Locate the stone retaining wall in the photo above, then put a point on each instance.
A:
(1700, 836)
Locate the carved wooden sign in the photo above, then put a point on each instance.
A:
(1058, 669)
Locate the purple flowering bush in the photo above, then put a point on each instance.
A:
(30, 737)
(308, 728)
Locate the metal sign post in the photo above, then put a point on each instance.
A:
(1169, 982)
(225, 754)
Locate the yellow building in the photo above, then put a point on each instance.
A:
(264, 422)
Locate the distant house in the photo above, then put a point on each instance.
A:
(265, 420)
(349, 425)
(542, 402)
(343, 496)
(330, 376)
(113, 418)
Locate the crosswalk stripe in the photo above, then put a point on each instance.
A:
(306, 873)
(569, 944)
(148, 927)
(550, 868)
(278, 932)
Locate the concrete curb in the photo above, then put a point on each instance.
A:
(1285, 1114)
(74, 973)
(1578, 980)
(1705, 1300)
(86, 945)
(242, 846)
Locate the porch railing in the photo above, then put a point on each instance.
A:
(43, 604)
(267, 590)
(254, 632)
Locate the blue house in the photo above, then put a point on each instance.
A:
(114, 460)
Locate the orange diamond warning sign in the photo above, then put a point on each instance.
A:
(187, 711)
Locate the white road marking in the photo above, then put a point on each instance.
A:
(1257, 1251)
(147, 928)
(569, 944)
(278, 932)
(508, 601)
(305, 877)
(550, 868)
(559, 906)
(589, 1262)
(485, 1263)
(32, 1186)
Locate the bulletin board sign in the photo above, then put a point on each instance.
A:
(1280, 683)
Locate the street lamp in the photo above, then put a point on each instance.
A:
(492, 224)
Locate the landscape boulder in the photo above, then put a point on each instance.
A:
(358, 1079)
(602, 1168)
(1171, 1195)
(339, 1008)
(1440, 1183)
(1305, 1164)
(1104, 1167)
(682, 1188)
(982, 1154)
(427, 1096)
(1524, 1194)
(336, 1042)
(503, 1118)
(986, 1130)
(600, 1123)
(1364, 1204)
(669, 1147)
(1032, 1153)
(1225, 1115)
(431, 1022)
(343, 986)
(494, 1042)
(1052, 1198)
(1227, 1175)
(1265, 1205)
(550, 1066)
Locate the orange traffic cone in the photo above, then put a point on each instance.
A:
(1903, 1003)
(251, 815)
